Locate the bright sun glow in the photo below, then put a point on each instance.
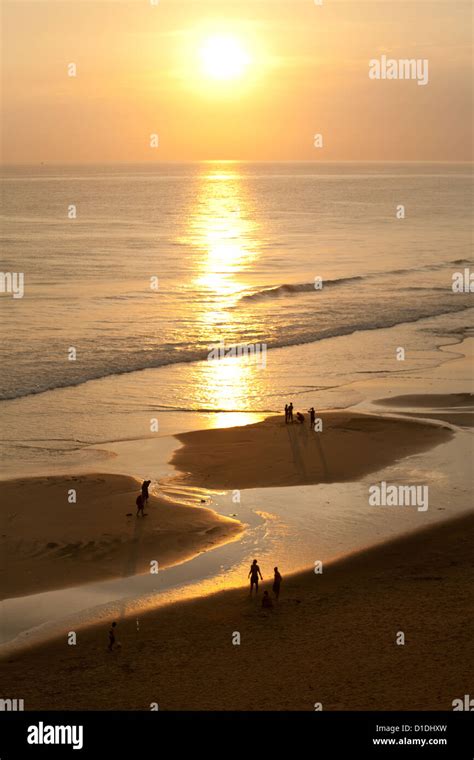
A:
(224, 58)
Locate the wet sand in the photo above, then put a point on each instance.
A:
(331, 640)
(454, 408)
(48, 543)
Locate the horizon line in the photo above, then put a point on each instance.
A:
(235, 161)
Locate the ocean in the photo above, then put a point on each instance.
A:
(133, 272)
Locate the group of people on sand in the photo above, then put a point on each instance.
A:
(142, 497)
(299, 415)
(255, 574)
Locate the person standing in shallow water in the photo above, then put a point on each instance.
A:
(145, 493)
(254, 572)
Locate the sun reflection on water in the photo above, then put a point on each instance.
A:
(221, 229)
(225, 241)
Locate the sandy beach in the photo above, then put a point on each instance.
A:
(331, 640)
(47, 542)
(272, 453)
(99, 537)
(212, 213)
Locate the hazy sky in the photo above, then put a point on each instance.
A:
(139, 72)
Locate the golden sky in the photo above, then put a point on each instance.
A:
(224, 79)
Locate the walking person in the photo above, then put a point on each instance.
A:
(254, 572)
(312, 417)
(276, 583)
(286, 413)
(290, 412)
(112, 636)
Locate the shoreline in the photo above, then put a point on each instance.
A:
(106, 541)
(343, 623)
(366, 587)
(65, 455)
(99, 537)
(459, 338)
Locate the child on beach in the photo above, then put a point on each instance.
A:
(140, 502)
(266, 601)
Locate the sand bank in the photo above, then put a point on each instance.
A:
(455, 408)
(430, 400)
(47, 542)
(272, 453)
(331, 639)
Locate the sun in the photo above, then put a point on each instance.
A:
(223, 58)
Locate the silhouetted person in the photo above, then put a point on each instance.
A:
(140, 502)
(300, 417)
(290, 412)
(312, 417)
(145, 493)
(266, 601)
(286, 412)
(254, 572)
(112, 636)
(276, 582)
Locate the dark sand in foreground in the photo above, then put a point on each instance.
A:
(331, 639)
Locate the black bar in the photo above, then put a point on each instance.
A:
(317, 734)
